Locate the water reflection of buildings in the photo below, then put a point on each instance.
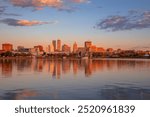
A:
(54, 67)
(88, 68)
(38, 65)
(23, 64)
(58, 67)
(75, 66)
(6, 67)
(66, 66)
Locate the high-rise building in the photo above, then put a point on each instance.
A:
(88, 44)
(47, 49)
(51, 48)
(59, 45)
(7, 47)
(66, 48)
(54, 44)
(75, 47)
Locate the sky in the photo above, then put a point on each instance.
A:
(107, 23)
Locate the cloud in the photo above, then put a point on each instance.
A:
(134, 20)
(81, 1)
(36, 3)
(15, 22)
(2, 9)
(61, 5)
(66, 8)
(11, 14)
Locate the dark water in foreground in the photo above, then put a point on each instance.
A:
(75, 79)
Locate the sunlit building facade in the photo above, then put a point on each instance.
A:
(93, 48)
(39, 47)
(51, 48)
(75, 47)
(58, 45)
(66, 48)
(7, 47)
(54, 44)
(100, 49)
(88, 44)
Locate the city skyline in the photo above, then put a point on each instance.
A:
(58, 45)
(37, 22)
(54, 46)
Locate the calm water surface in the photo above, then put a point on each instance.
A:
(74, 79)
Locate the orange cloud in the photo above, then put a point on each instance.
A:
(15, 22)
(39, 4)
(81, 1)
(36, 3)
(29, 23)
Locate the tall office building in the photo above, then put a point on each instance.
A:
(59, 45)
(54, 44)
(75, 47)
(51, 48)
(7, 47)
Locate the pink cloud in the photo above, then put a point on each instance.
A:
(15, 22)
(30, 23)
(39, 4)
(80, 1)
(36, 3)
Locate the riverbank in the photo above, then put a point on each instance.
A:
(73, 58)
(28, 57)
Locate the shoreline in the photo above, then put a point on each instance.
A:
(71, 58)
(16, 58)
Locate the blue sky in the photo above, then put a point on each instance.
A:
(108, 23)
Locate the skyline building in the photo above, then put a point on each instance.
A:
(51, 48)
(54, 44)
(75, 47)
(100, 49)
(87, 44)
(39, 47)
(66, 48)
(58, 45)
(93, 48)
(20, 48)
(7, 47)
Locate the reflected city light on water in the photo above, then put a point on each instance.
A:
(74, 79)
